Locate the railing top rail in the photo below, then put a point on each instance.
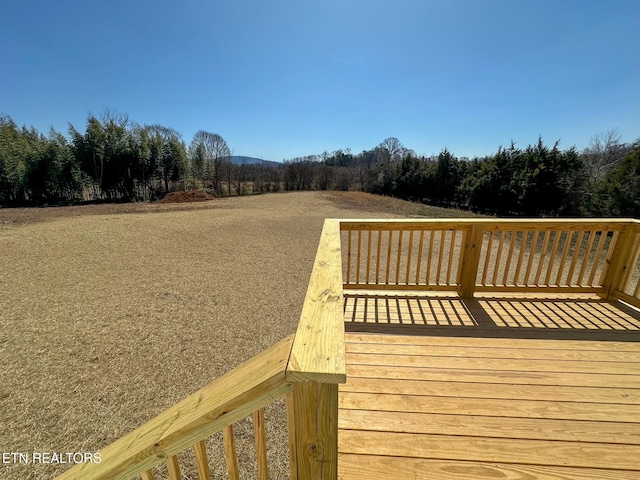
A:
(248, 387)
(611, 224)
(318, 352)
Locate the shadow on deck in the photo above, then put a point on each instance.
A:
(577, 317)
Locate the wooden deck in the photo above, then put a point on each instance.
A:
(516, 387)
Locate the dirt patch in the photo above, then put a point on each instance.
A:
(186, 197)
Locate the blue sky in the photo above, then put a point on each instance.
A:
(285, 78)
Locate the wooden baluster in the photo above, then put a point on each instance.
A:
(610, 251)
(597, 257)
(565, 251)
(230, 453)
(261, 444)
(202, 462)
(485, 269)
(429, 258)
(552, 257)
(543, 254)
(440, 254)
(585, 259)
(349, 256)
(369, 233)
(173, 468)
(148, 475)
(399, 257)
(358, 257)
(574, 257)
(389, 257)
(419, 261)
(532, 254)
(406, 280)
(507, 265)
(452, 247)
(523, 247)
(378, 257)
(498, 257)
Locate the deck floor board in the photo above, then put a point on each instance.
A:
(466, 407)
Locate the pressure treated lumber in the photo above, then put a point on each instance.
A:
(317, 354)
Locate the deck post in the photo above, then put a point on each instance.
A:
(314, 431)
(469, 261)
(619, 268)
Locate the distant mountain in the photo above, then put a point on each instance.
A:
(240, 160)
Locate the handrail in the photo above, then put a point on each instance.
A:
(493, 255)
(249, 387)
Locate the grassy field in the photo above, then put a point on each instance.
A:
(109, 314)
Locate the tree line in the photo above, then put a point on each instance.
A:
(117, 160)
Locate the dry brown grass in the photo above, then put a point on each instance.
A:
(110, 314)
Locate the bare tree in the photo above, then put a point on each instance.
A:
(604, 152)
(215, 151)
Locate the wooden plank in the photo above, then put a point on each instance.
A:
(173, 468)
(254, 384)
(552, 393)
(608, 355)
(496, 376)
(202, 461)
(482, 449)
(494, 364)
(261, 444)
(366, 467)
(522, 344)
(488, 407)
(230, 453)
(318, 349)
(488, 426)
(316, 428)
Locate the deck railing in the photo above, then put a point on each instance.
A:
(467, 256)
(578, 255)
(306, 368)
